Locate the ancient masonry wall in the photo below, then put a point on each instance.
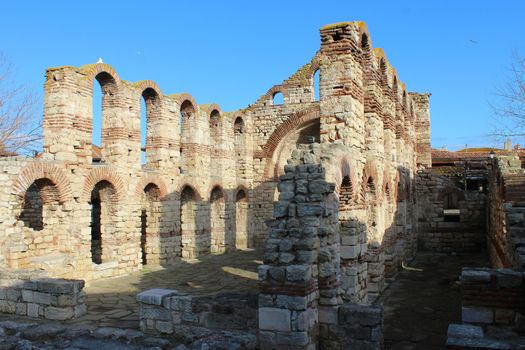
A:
(209, 177)
(437, 231)
(506, 219)
(492, 312)
(46, 298)
(165, 311)
(301, 305)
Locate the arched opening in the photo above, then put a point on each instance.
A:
(187, 121)
(39, 201)
(103, 100)
(238, 126)
(345, 198)
(188, 206)
(365, 45)
(375, 256)
(217, 220)
(370, 206)
(215, 120)
(103, 212)
(241, 219)
(394, 87)
(317, 85)
(383, 73)
(149, 124)
(277, 98)
(302, 134)
(150, 220)
(240, 148)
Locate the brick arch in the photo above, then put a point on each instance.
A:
(181, 98)
(151, 179)
(342, 170)
(193, 186)
(239, 189)
(102, 174)
(92, 70)
(142, 85)
(221, 189)
(387, 187)
(369, 172)
(36, 171)
(288, 126)
(211, 107)
(270, 94)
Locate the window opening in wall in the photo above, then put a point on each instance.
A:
(96, 236)
(278, 99)
(451, 212)
(102, 221)
(96, 135)
(143, 229)
(143, 130)
(41, 193)
(317, 85)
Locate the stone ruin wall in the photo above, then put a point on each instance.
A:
(506, 219)
(210, 177)
(464, 233)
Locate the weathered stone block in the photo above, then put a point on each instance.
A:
(476, 315)
(155, 296)
(58, 313)
(273, 319)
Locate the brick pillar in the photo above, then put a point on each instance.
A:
(422, 126)
(342, 111)
(66, 129)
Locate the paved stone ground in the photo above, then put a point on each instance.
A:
(424, 299)
(111, 302)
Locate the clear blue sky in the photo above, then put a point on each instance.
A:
(232, 52)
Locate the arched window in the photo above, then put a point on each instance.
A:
(215, 119)
(317, 85)
(394, 87)
(40, 195)
(103, 201)
(103, 100)
(383, 73)
(241, 220)
(149, 220)
(188, 208)
(149, 119)
(364, 42)
(345, 194)
(187, 113)
(238, 126)
(278, 98)
(217, 216)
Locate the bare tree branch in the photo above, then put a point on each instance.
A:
(19, 127)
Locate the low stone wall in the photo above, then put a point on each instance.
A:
(493, 297)
(46, 298)
(357, 327)
(167, 311)
(493, 310)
